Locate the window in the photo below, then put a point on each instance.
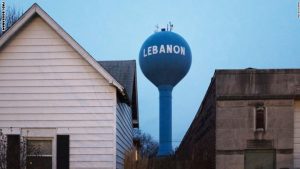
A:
(44, 149)
(39, 154)
(260, 118)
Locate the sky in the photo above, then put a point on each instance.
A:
(222, 34)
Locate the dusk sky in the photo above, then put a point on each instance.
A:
(222, 34)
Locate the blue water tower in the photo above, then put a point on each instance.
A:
(165, 58)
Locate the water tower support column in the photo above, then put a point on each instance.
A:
(165, 120)
(165, 58)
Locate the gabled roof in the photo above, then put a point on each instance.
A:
(124, 71)
(37, 10)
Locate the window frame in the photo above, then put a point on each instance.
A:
(42, 134)
(265, 118)
(41, 139)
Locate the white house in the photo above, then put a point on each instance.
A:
(78, 111)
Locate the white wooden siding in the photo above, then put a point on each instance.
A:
(44, 83)
(124, 132)
(297, 134)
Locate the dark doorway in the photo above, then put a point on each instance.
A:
(260, 159)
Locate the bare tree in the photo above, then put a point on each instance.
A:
(25, 149)
(149, 146)
(11, 17)
(3, 147)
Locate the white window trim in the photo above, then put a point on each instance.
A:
(42, 134)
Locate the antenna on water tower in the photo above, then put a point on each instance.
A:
(171, 26)
(3, 15)
(156, 28)
(298, 9)
(165, 58)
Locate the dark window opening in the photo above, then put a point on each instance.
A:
(260, 118)
(39, 154)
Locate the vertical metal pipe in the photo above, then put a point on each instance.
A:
(165, 120)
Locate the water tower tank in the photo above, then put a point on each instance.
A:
(165, 58)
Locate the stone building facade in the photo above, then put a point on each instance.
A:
(249, 119)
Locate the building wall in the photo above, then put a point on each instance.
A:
(198, 145)
(297, 134)
(235, 131)
(44, 83)
(238, 91)
(124, 132)
(258, 84)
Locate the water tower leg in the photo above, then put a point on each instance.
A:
(165, 120)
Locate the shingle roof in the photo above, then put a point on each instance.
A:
(123, 71)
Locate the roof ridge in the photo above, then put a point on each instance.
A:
(35, 9)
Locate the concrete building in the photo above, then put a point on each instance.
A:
(248, 119)
(54, 95)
